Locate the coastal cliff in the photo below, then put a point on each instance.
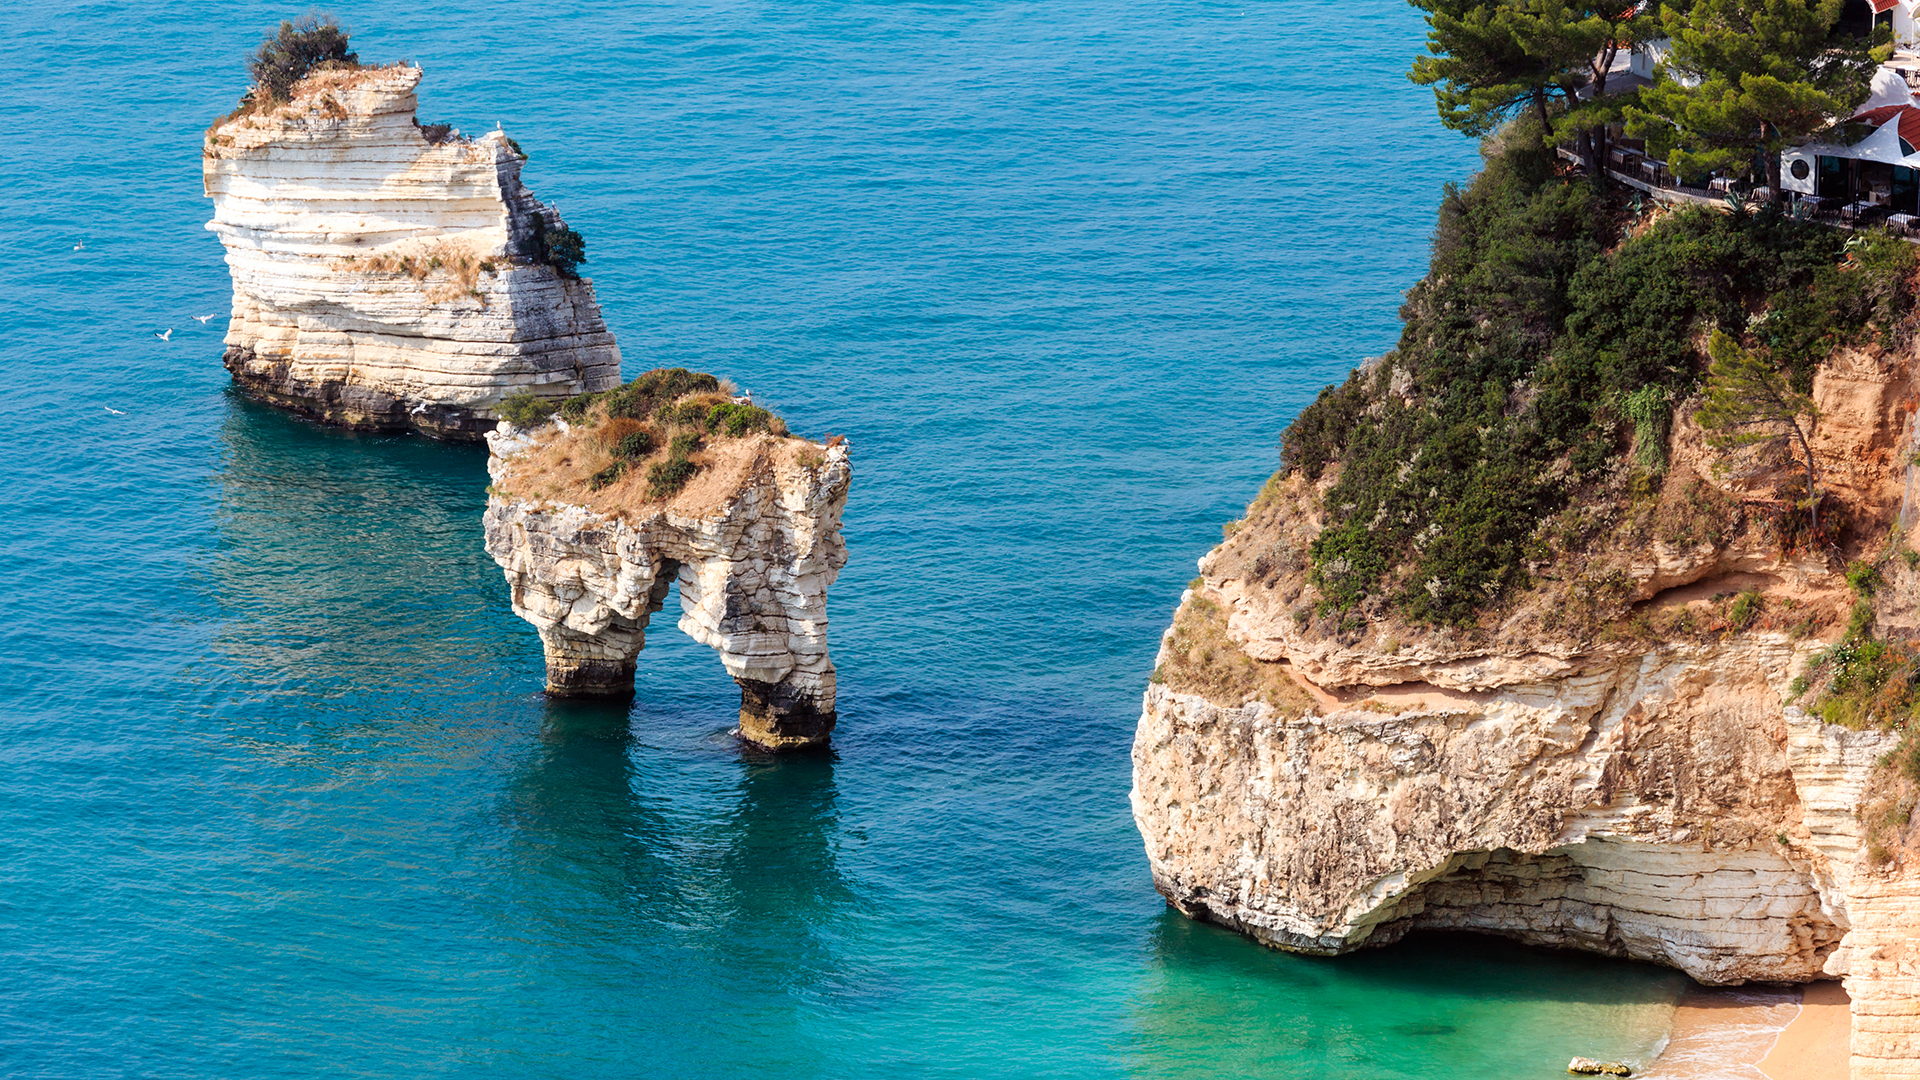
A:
(391, 275)
(1646, 791)
(1670, 719)
(668, 480)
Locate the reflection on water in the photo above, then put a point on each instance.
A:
(592, 846)
(782, 879)
(348, 568)
(1509, 1010)
(708, 879)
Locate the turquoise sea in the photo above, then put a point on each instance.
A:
(279, 793)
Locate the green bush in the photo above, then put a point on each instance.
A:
(684, 443)
(608, 475)
(1862, 578)
(634, 444)
(301, 47)
(558, 246)
(666, 478)
(1320, 435)
(575, 408)
(523, 408)
(642, 397)
(728, 418)
(691, 413)
(1746, 608)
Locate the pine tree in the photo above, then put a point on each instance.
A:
(1492, 59)
(1749, 78)
(1751, 402)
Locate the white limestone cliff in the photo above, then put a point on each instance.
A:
(387, 275)
(1648, 788)
(754, 543)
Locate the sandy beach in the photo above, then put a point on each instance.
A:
(1814, 1045)
(1750, 1033)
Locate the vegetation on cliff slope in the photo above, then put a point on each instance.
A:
(1558, 324)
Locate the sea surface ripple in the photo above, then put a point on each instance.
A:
(280, 794)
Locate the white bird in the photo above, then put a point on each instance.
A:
(168, 336)
(80, 245)
(112, 410)
(417, 409)
(203, 318)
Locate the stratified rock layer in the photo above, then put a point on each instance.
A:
(753, 565)
(383, 278)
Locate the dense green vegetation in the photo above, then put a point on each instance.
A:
(301, 47)
(1745, 79)
(559, 247)
(1553, 327)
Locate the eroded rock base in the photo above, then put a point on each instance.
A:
(776, 716)
(350, 405)
(592, 678)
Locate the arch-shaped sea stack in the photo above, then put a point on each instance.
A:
(592, 539)
(388, 275)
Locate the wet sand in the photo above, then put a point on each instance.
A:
(1749, 1033)
(1721, 1034)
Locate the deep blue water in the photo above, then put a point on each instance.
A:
(279, 795)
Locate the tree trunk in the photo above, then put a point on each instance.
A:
(1602, 64)
(1540, 110)
(1773, 185)
(1813, 495)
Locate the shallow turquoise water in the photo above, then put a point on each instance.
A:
(280, 794)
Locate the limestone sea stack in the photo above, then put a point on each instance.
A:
(391, 275)
(596, 513)
(1624, 759)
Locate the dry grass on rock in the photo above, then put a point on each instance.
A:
(584, 465)
(1201, 659)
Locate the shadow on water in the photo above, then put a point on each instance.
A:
(781, 870)
(1508, 1009)
(582, 817)
(708, 877)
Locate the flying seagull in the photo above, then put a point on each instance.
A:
(203, 318)
(417, 409)
(112, 410)
(168, 336)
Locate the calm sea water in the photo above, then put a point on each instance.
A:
(279, 794)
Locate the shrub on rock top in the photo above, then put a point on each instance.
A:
(301, 47)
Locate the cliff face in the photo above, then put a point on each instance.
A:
(753, 541)
(1614, 762)
(387, 275)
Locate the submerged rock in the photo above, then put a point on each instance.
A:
(591, 545)
(388, 275)
(1590, 1067)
